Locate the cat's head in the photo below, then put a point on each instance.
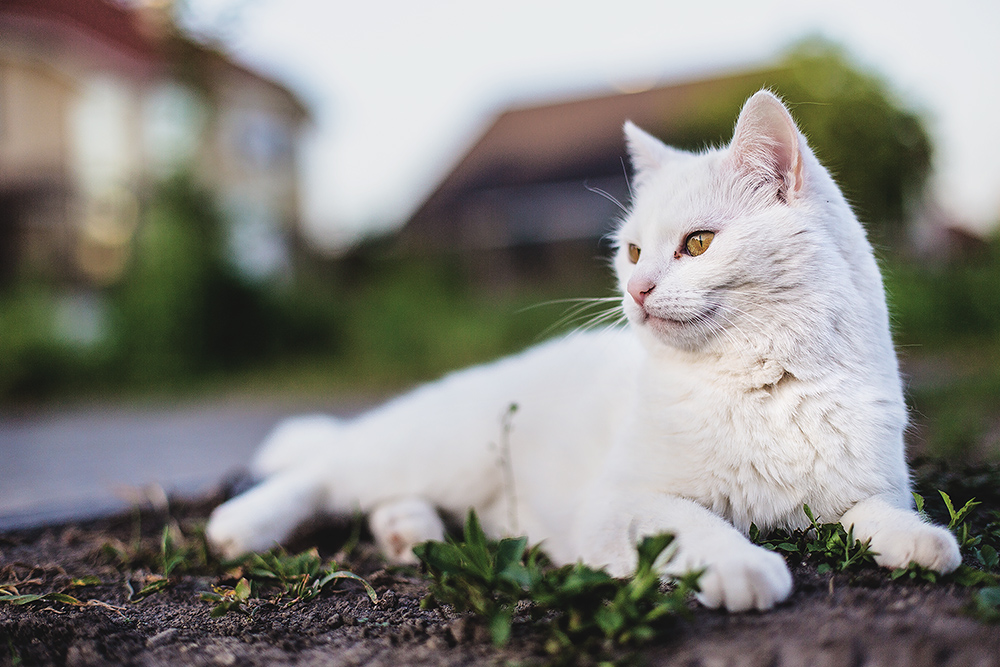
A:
(726, 246)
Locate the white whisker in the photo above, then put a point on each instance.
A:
(581, 313)
(628, 183)
(607, 195)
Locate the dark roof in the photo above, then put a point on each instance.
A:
(566, 140)
(144, 36)
(111, 22)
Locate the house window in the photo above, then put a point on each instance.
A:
(263, 141)
(174, 120)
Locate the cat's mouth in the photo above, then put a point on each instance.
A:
(661, 320)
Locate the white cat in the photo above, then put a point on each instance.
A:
(757, 375)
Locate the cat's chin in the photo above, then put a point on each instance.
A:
(665, 324)
(687, 332)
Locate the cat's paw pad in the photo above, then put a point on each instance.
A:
(745, 579)
(399, 525)
(932, 547)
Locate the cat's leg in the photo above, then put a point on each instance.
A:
(738, 575)
(266, 514)
(398, 525)
(900, 536)
(294, 441)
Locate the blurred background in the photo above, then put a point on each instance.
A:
(316, 204)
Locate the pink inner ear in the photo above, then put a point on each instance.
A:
(765, 146)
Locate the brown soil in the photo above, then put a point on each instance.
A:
(860, 619)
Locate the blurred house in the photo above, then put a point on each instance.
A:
(536, 194)
(937, 238)
(98, 101)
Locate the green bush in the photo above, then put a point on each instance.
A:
(945, 303)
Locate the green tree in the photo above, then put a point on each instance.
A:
(183, 309)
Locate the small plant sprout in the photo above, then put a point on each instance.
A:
(828, 545)
(300, 577)
(176, 554)
(286, 578)
(9, 595)
(228, 599)
(589, 606)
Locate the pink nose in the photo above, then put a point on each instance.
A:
(640, 288)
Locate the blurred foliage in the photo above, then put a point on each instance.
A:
(878, 152)
(412, 318)
(34, 359)
(180, 312)
(183, 319)
(946, 320)
(940, 303)
(183, 309)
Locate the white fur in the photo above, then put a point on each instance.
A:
(754, 378)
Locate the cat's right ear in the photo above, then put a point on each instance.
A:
(767, 147)
(646, 152)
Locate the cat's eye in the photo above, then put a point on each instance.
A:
(633, 253)
(698, 242)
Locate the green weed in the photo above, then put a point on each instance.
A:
(589, 604)
(228, 599)
(986, 604)
(300, 577)
(485, 577)
(581, 604)
(282, 578)
(9, 595)
(957, 521)
(828, 545)
(177, 553)
(977, 546)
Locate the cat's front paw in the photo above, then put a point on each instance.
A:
(932, 547)
(264, 516)
(744, 578)
(399, 525)
(232, 531)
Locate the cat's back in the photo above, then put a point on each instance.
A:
(585, 376)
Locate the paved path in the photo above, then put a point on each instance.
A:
(61, 465)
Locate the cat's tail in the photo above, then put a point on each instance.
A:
(294, 441)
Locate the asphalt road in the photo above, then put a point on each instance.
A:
(58, 465)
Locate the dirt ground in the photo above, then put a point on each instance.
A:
(842, 619)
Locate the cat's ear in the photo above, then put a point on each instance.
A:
(646, 152)
(767, 146)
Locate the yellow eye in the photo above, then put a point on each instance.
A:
(698, 242)
(633, 253)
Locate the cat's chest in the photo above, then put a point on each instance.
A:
(751, 455)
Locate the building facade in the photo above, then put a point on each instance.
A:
(98, 102)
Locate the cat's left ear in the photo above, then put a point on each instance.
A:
(767, 147)
(646, 152)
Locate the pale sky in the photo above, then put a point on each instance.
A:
(400, 88)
